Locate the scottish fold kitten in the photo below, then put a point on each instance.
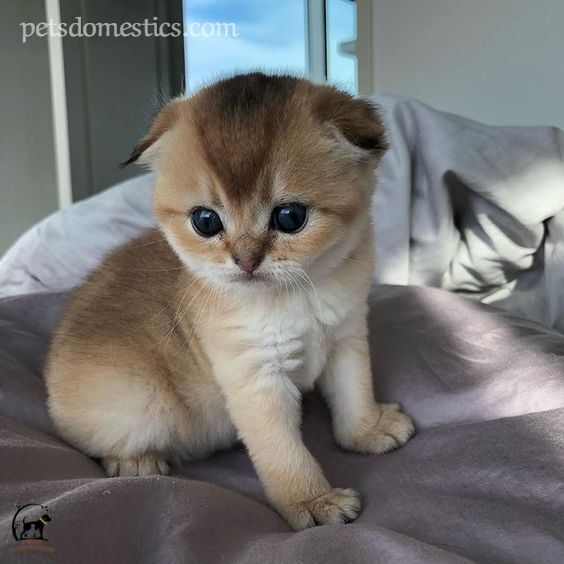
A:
(253, 290)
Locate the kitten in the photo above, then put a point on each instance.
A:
(177, 346)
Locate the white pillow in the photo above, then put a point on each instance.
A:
(59, 251)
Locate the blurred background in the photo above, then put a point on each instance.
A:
(72, 107)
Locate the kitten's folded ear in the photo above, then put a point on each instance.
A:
(356, 122)
(164, 120)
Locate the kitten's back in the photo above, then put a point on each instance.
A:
(125, 298)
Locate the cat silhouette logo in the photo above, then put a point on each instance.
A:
(29, 522)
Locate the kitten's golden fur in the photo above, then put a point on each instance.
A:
(170, 351)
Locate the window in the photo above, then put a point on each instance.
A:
(341, 44)
(313, 38)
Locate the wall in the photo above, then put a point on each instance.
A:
(28, 189)
(497, 61)
(115, 86)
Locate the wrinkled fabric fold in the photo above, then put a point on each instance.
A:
(472, 208)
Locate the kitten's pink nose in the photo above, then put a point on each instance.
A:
(247, 264)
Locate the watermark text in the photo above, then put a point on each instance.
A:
(147, 28)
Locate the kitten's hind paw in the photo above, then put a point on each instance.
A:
(144, 465)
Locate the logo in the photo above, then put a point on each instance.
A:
(29, 527)
(29, 522)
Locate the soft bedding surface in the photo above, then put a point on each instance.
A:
(482, 480)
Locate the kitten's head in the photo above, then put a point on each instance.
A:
(262, 179)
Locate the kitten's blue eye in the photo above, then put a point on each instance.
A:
(206, 222)
(289, 218)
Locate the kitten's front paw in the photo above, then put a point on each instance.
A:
(387, 429)
(335, 507)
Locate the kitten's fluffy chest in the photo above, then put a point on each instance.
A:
(294, 334)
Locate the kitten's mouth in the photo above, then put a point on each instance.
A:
(249, 278)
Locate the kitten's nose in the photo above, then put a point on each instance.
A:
(247, 264)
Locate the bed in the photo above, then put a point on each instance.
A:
(482, 480)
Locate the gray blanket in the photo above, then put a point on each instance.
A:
(482, 481)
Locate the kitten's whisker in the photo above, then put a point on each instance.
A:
(150, 243)
(324, 328)
(286, 289)
(159, 269)
(211, 290)
(201, 311)
(215, 305)
(178, 317)
(294, 283)
(282, 284)
(203, 287)
(221, 291)
(178, 292)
